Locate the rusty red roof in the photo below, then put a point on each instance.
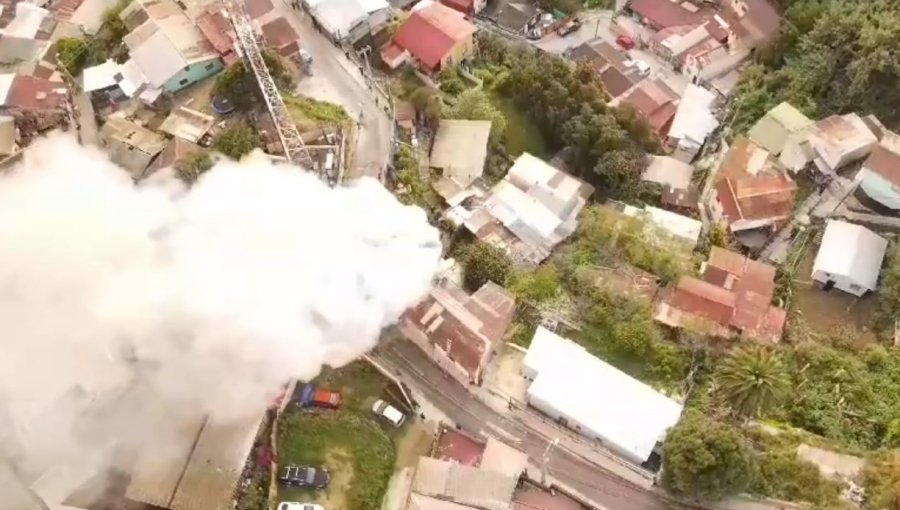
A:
(257, 8)
(463, 6)
(665, 13)
(279, 33)
(464, 327)
(455, 446)
(655, 101)
(430, 34)
(885, 163)
(735, 292)
(216, 28)
(757, 197)
(32, 93)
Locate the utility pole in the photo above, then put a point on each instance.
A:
(545, 460)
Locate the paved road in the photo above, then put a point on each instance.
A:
(336, 79)
(476, 418)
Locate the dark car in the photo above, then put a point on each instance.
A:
(304, 476)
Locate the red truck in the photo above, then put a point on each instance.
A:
(318, 397)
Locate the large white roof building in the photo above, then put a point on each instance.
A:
(595, 398)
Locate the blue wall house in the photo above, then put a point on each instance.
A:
(879, 177)
(167, 46)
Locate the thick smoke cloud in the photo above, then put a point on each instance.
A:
(209, 298)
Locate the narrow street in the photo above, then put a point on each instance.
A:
(476, 418)
(336, 79)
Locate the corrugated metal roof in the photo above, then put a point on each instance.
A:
(852, 251)
(598, 397)
(187, 123)
(504, 459)
(464, 485)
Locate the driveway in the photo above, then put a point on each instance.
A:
(337, 80)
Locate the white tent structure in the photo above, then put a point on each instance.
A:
(595, 398)
(849, 258)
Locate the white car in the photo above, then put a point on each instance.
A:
(388, 412)
(293, 505)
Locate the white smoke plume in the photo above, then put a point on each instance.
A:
(213, 297)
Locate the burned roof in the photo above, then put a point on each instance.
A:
(736, 292)
(462, 326)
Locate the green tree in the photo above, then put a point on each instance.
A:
(474, 104)
(882, 481)
(481, 263)
(73, 53)
(113, 24)
(450, 80)
(619, 171)
(535, 285)
(706, 459)
(753, 380)
(236, 141)
(238, 84)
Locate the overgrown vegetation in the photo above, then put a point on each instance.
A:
(348, 438)
(239, 85)
(309, 113)
(888, 316)
(236, 140)
(415, 189)
(193, 167)
(832, 58)
(482, 263)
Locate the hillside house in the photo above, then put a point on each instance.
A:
(849, 258)
(610, 65)
(459, 151)
(167, 47)
(752, 194)
(777, 126)
(734, 297)
(434, 36)
(879, 177)
(656, 103)
(460, 331)
(595, 399)
(130, 145)
(833, 143)
(681, 228)
(534, 208)
(693, 122)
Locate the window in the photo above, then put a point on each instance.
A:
(183, 82)
(187, 68)
(209, 67)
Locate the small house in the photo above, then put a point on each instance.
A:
(833, 143)
(777, 126)
(459, 151)
(849, 258)
(734, 297)
(693, 122)
(460, 331)
(434, 36)
(879, 177)
(130, 145)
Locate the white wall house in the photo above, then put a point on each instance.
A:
(879, 177)
(849, 258)
(596, 399)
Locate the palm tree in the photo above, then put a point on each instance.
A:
(753, 380)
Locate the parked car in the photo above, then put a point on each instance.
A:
(625, 42)
(388, 412)
(305, 476)
(569, 27)
(293, 505)
(311, 396)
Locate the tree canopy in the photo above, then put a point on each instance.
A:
(474, 104)
(834, 56)
(236, 141)
(569, 105)
(481, 263)
(706, 459)
(753, 380)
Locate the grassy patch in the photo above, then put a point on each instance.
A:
(358, 449)
(310, 113)
(521, 134)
